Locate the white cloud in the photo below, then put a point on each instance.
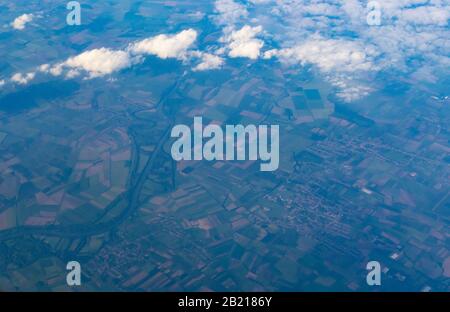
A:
(2, 82)
(208, 62)
(20, 22)
(243, 42)
(74, 73)
(166, 46)
(331, 35)
(342, 62)
(329, 55)
(23, 78)
(44, 68)
(98, 62)
(426, 15)
(56, 70)
(259, 1)
(229, 12)
(104, 61)
(350, 88)
(410, 29)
